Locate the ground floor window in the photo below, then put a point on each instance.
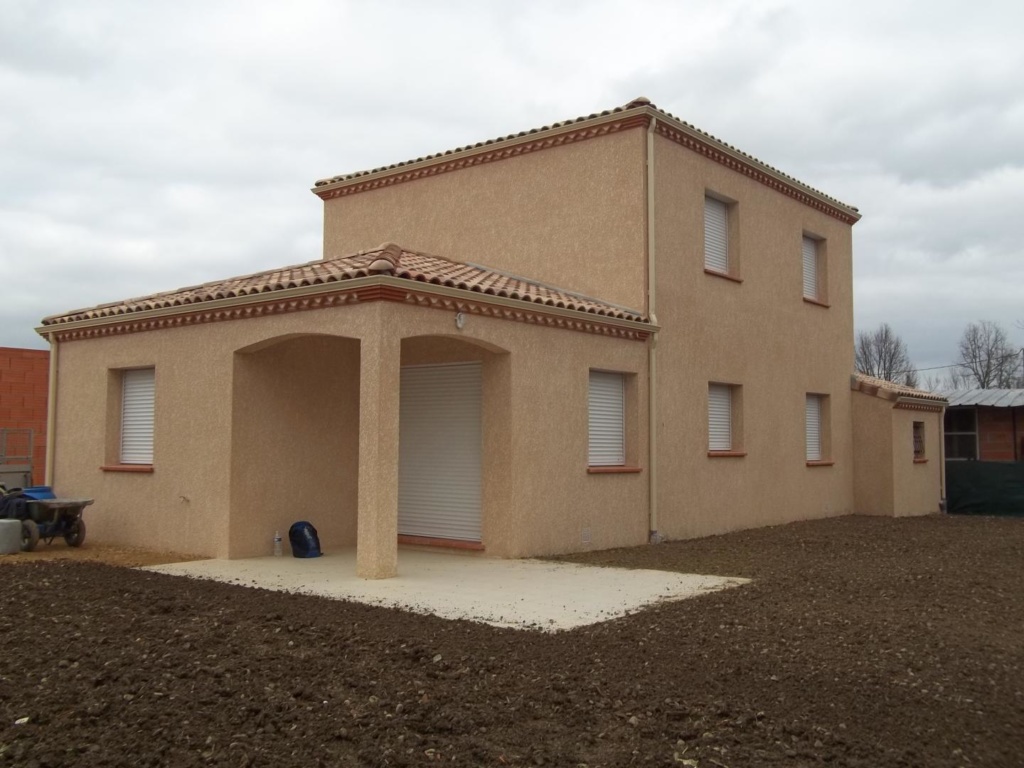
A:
(607, 411)
(816, 427)
(138, 401)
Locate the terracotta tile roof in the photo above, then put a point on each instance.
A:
(641, 102)
(387, 259)
(871, 384)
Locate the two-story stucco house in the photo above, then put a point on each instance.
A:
(581, 336)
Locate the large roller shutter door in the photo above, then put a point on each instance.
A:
(439, 452)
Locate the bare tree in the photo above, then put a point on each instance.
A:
(883, 354)
(986, 358)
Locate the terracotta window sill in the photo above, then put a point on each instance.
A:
(920, 461)
(816, 303)
(613, 470)
(143, 468)
(428, 541)
(726, 275)
(824, 463)
(726, 454)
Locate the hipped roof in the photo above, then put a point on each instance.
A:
(385, 260)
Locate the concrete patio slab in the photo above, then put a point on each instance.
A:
(522, 594)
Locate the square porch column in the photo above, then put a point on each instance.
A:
(379, 389)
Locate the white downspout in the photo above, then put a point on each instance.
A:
(51, 409)
(652, 348)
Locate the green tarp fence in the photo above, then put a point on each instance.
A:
(985, 488)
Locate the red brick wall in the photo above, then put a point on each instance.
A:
(24, 385)
(996, 433)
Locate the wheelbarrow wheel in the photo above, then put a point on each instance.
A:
(29, 535)
(76, 533)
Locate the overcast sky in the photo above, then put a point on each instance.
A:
(146, 146)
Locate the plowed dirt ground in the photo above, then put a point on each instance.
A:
(861, 642)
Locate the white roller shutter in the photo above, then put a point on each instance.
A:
(137, 406)
(607, 420)
(719, 417)
(814, 428)
(716, 235)
(439, 453)
(810, 253)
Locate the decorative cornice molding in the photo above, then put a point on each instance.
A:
(421, 296)
(751, 171)
(913, 404)
(390, 177)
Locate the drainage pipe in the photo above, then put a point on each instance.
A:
(652, 348)
(51, 409)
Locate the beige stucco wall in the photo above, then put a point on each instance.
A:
(887, 480)
(873, 436)
(251, 436)
(571, 216)
(759, 334)
(916, 486)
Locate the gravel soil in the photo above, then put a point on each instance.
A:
(861, 642)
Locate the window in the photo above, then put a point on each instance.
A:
(137, 402)
(719, 417)
(607, 402)
(813, 273)
(724, 420)
(961, 434)
(816, 428)
(716, 235)
(919, 454)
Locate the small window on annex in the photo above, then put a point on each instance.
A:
(919, 450)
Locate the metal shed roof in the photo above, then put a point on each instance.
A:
(994, 398)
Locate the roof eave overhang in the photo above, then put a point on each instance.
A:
(473, 155)
(905, 402)
(353, 291)
(679, 131)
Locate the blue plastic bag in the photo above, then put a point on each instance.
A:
(304, 541)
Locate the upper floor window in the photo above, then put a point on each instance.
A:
(716, 235)
(814, 269)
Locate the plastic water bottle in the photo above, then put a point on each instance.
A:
(277, 544)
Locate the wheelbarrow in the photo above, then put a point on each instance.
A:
(44, 516)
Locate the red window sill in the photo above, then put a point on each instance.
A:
(429, 541)
(613, 470)
(920, 461)
(727, 276)
(144, 468)
(825, 463)
(816, 303)
(726, 454)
